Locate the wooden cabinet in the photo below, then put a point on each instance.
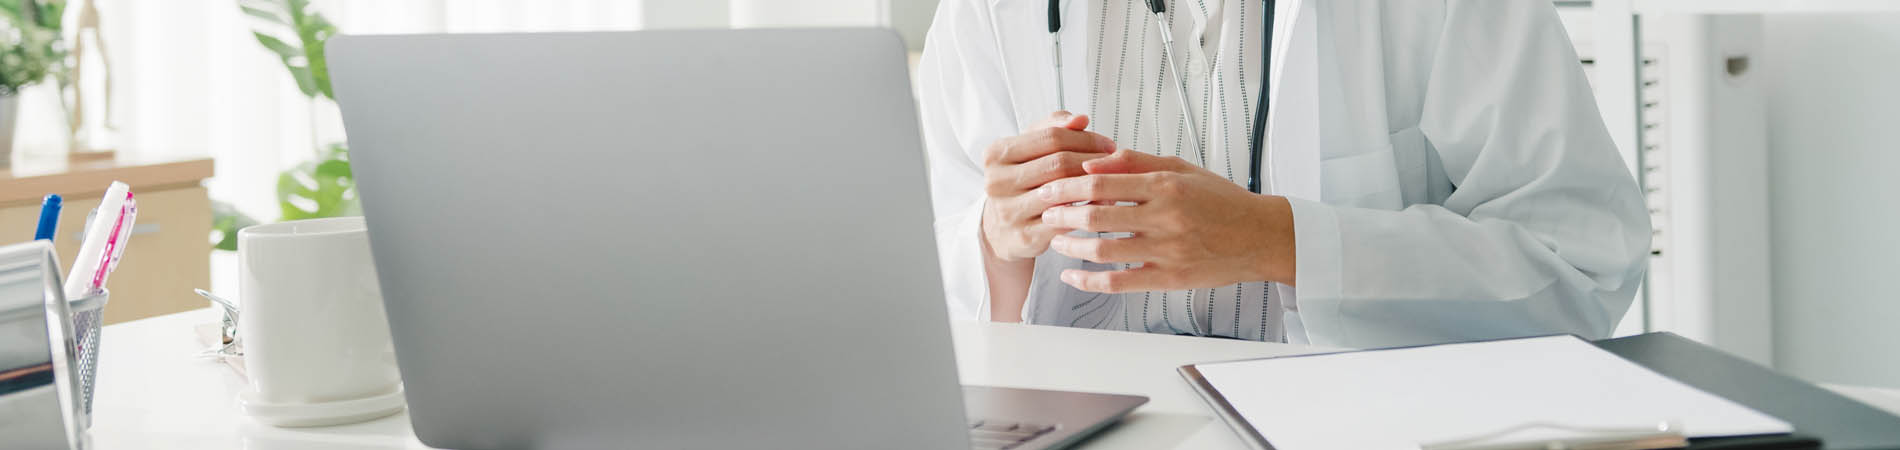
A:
(170, 251)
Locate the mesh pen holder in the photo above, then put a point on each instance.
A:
(89, 313)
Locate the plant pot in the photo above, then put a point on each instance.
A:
(9, 115)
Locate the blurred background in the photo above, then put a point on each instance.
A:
(1762, 131)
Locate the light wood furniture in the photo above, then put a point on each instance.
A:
(170, 252)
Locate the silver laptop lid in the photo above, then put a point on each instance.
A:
(665, 239)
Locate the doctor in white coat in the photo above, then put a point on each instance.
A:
(1431, 170)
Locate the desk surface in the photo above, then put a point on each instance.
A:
(153, 394)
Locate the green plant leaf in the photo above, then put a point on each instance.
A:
(282, 49)
(30, 44)
(313, 31)
(268, 16)
(297, 8)
(294, 61)
(314, 46)
(323, 187)
(226, 220)
(51, 13)
(305, 60)
(46, 14)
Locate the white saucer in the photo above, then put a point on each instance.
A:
(321, 414)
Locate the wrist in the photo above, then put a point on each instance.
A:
(1008, 282)
(990, 250)
(983, 240)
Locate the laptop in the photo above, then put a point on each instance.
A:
(667, 239)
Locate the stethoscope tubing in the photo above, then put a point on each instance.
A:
(1256, 145)
(1257, 141)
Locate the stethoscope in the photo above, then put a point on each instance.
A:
(1258, 143)
(1159, 8)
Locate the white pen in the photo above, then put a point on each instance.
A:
(92, 246)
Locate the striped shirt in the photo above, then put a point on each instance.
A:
(1134, 101)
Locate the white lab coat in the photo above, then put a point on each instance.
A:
(1450, 176)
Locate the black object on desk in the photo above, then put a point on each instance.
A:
(1839, 423)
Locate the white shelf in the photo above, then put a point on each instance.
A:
(1764, 6)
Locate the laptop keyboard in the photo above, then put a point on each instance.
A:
(1003, 434)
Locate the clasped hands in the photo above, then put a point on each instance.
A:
(1191, 228)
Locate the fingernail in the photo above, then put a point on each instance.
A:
(1104, 143)
(1047, 192)
(1060, 244)
(1069, 276)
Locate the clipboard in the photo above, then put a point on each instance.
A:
(1806, 436)
(1224, 409)
(1830, 420)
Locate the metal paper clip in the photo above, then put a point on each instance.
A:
(228, 327)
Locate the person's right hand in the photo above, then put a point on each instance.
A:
(1013, 167)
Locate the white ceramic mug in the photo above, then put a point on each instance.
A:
(316, 342)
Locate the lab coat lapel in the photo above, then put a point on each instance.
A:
(1357, 164)
(1022, 28)
(1293, 130)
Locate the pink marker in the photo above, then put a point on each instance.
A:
(121, 236)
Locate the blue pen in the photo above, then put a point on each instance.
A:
(49, 218)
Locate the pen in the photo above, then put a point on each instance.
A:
(115, 248)
(49, 218)
(93, 246)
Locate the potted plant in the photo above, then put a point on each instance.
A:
(30, 51)
(322, 186)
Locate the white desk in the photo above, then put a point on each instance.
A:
(154, 395)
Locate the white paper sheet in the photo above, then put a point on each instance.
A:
(1399, 399)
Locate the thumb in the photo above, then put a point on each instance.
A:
(1065, 119)
(1130, 161)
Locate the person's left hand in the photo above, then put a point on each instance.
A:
(1192, 228)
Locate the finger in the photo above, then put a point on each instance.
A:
(1021, 178)
(1101, 250)
(1058, 119)
(1064, 119)
(1024, 210)
(1095, 188)
(1041, 235)
(1145, 278)
(1097, 218)
(1043, 141)
(1130, 161)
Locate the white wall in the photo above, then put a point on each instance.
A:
(190, 81)
(1834, 168)
(782, 13)
(912, 19)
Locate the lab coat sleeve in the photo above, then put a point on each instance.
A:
(962, 99)
(1544, 232)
